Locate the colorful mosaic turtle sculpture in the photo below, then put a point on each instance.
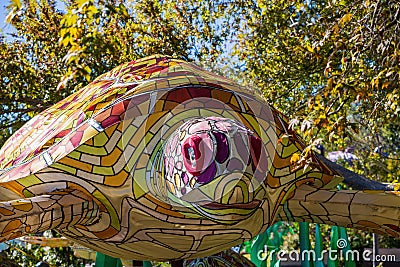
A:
(160, 160)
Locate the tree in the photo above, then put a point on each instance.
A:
(31, 65)
(56, 52)
(333, 67)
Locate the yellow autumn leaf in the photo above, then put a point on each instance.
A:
(294, 158)
(330, 84)
(346, 18)
(335, 28)
(309, 48)
(385, 85)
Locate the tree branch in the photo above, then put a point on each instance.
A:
(353, 179)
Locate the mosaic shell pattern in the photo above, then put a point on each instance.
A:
(91, 167)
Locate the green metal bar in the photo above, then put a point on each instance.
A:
(318, 248)
(147, 264)
(334, 261)
(345, 246)
(305, 245)
(103, 260)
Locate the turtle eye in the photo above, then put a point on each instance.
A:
(198, 153)
(192, 148)
(192, 157)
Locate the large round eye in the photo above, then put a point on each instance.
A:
(198, 153)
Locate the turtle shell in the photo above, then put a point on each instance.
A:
(109, 141)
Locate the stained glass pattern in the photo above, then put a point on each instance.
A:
(158, 160)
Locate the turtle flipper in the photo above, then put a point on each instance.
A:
(59, 209)
(370, 210)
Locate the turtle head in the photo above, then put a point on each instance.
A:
(216, 164)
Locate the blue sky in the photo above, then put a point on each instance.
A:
(5, 28)
(3, 13)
